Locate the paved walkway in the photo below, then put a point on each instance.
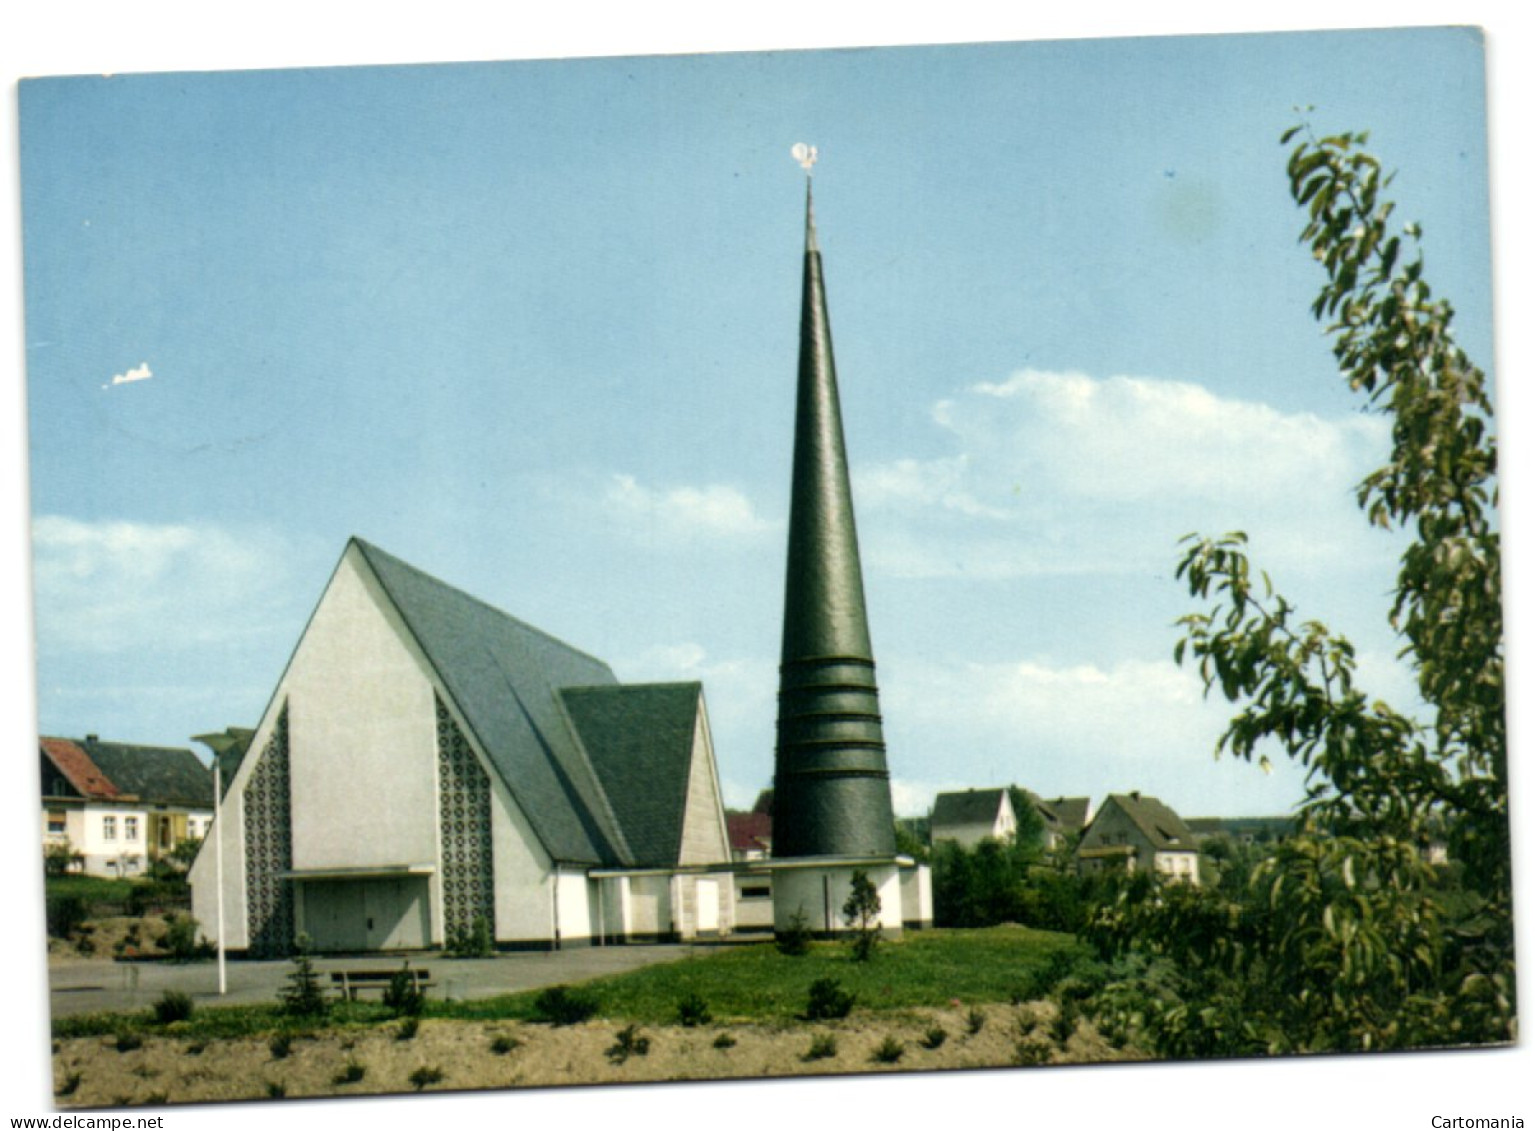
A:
(86, 987)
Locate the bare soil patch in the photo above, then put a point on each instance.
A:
(451, 1055)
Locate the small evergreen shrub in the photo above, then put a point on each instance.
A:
(127, 1041)
(302, 996)
(503, 1044)
(724, 1041)
(975, 1020)
(861, 914)
(794, 939)
(280, 1046)
(352, 1073)
(403, 996)
(173, 1006)
(934, 1037)
(822, 1047)
(565, 1005)
(888, 1051)
(628, 1042)
(828, 1000)
(408, 1029)
(275, 1090)
(423, 1076)
(693, 1011)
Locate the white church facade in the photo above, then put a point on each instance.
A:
(429, 768)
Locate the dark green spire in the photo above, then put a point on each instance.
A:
(831, 787)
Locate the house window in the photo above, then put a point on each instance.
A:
(109, 828)
(763, 892)
(55, 822)
(130, 828)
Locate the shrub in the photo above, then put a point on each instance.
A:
(794, 939)
(172, 1006)
(861, 914)
(69, 1086)
(565, 1005)
(180, 939)
(934, 1037)
(888, 1051)
(280, 1046)
(408, 1029)
(822, 1047)
(724, 1041)
(352, 1073)
(302, 996)
(828, 1000)
(503, 1044)
(403, 996)
(128, 1040)
(975, 1020)
(693, 1011)
(476, 942)
(1031, 1050)
(423, 1076)
(65, 915)
(275, 1090)
(629, 1042)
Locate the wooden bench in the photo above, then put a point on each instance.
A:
(350, 983)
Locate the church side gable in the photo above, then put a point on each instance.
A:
(705, 839)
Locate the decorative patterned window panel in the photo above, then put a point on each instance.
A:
(269, 849)
(463, 801)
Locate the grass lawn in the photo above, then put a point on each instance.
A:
(756, 983)
(748, 983)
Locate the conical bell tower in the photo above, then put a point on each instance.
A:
(831, 786)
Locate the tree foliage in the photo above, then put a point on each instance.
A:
(1345, 937)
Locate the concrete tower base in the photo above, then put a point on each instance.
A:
(816, 887)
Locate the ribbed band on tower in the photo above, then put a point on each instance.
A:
(831, 785)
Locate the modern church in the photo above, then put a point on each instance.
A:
(431, 770)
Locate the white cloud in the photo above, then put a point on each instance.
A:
(113, 586)
(715, 510)
(1066, 473)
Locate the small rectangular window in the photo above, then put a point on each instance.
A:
(130, 828)
(109, 828)
(55, 822)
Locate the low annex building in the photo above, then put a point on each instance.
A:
(430, 767)
(113, 808)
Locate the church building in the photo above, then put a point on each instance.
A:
(430, 768)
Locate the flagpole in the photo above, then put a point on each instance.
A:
(218, 865)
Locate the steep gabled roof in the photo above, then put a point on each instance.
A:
(749, 832)
(154, 775)
(505, 677)
(1071, 812)
(76, 767)
(639, 738)
(969, 807)
(1161, 826)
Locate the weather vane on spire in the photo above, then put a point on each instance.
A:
(804, 154)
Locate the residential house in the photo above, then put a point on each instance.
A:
(970, 816)
(1137, 833)
(115, 807)
(429, 766)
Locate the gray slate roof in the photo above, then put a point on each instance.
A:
(1162, 827)
(164, 775)
(599, 769)
(969, 807)
(639, 738)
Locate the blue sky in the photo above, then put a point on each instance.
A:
(531, 326)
